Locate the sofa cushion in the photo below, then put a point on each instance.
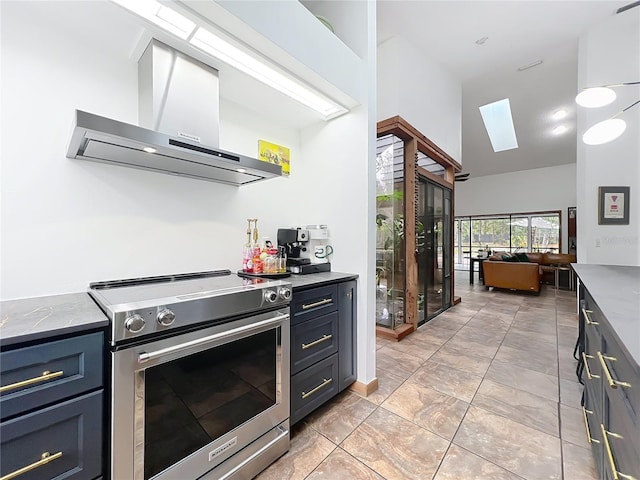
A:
(516, 257)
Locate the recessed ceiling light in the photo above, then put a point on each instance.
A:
(559, 115)
(482, 40)
(499, 124)
(149, 149)
(530, 65)
(560, 129)
(241, 170)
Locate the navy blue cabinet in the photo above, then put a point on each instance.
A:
(347, 312)
(46, 373)
(323, 339)
(51, 403)
(611, 400)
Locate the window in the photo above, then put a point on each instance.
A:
(527, 232)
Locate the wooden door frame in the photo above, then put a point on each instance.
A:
(414, 141)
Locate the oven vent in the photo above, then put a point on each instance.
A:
(178, 107)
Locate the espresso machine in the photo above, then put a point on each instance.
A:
(307, 249)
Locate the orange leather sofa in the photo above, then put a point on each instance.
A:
(525, 276)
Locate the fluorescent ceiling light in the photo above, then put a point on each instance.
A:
(499, 124)
(560, 129)
(162, 16)
(530, 65)
(212, 44)
(205, 40)
(604, 132)
(595, 97)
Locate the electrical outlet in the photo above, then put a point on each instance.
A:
(597, 242)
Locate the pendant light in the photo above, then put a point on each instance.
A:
(607, 130)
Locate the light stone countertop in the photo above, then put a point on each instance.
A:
(616, 290)
(40, 318)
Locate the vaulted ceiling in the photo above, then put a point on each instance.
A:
(517, 34)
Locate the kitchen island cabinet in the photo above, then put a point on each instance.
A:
(609, 306)
(52, 388)
(323, 339)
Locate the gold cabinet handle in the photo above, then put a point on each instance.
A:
(586, 425)
(45, 458)
(324, 383)
(587, 318)
(46, 375)
(590, 376)
(612, 383)
(612, 463)
(316, 304)
(316, 342)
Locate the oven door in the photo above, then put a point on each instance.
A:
(182, 405)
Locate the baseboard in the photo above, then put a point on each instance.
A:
(364, 389)
(396, 334)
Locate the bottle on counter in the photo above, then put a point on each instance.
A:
(271, 264)
(282, 260)
(257, 260)
(247, 259)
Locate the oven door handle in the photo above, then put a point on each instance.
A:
(146, 356)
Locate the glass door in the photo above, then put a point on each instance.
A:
(433, 249)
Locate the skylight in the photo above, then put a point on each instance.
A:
(499, 124)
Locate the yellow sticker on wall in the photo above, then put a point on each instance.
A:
(272, 153)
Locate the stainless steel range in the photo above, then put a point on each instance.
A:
(200, 375)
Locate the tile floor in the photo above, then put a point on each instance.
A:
(486, 390)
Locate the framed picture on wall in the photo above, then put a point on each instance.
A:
(613, 205)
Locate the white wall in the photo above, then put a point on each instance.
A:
(65, 223)
(610, 53)
(422, 92)
(540, 189)
(68, 222)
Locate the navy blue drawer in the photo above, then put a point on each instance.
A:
(73, 428)
(314, 302)
(313, 340)
(312, 387)
(74, 366)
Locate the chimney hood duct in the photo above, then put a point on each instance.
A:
(178, 105)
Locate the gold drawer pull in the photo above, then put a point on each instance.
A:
(316, 342)
(590, 376)
(587, 318)
(316, 304)
(586, 425)
(612, 383)
(614, 471)
(46, 375)
(324, 383)
(45, 458)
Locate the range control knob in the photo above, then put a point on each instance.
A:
(134, 323)
(270, 296)
(166, 317)
(285, 293)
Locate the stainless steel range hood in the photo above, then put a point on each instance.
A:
(178, 103)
